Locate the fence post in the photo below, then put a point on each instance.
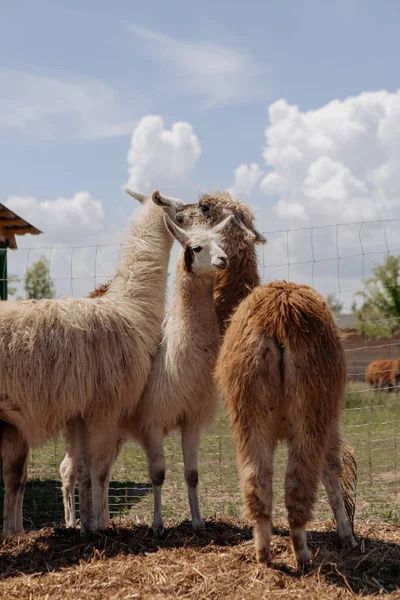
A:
(3, 274)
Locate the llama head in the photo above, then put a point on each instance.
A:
(169, 204)
(203, 252)
(214, 208)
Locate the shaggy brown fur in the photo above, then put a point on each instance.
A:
(242, 276)
(282, 373)
(100, 291)
(383, 374)
(232, 284)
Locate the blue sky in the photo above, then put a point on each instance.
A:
(77, 79)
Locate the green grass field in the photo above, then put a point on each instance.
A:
(371, 425)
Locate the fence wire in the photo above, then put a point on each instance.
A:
(336, 261)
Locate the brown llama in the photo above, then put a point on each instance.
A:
(383, 374)
(238, 280)
(282, 373)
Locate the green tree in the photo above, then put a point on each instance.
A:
(38, 283)
(379, 315)
(12, 290)
(335, 305)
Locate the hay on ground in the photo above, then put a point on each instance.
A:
(129, 562)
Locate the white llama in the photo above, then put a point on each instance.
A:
(85, 359)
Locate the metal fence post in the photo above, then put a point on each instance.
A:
(3, 274)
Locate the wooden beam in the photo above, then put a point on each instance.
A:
(22, 231)
(12, 241)
(13, 222)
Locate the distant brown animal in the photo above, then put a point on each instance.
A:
(383, 374)
(282, 373)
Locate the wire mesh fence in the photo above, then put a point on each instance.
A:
(336, 261)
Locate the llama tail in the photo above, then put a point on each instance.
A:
(349, 481)
(309, 336)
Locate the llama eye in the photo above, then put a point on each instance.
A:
(204, 208)
(197, 249)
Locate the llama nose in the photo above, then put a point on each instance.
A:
(222, 262)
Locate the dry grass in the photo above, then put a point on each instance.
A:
(129, 562)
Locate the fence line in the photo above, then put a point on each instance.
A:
(335, 260)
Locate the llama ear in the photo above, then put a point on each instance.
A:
(165, 201)
(252, 234)
(140, 197)
(221, 226)
(260, 238)
(179, 234)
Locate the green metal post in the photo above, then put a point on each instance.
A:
(3, 274)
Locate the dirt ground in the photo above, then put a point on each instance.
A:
(129, 562)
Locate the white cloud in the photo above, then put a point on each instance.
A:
(160, 157)
(64, 220)
(337, 163)
(52, 107)
(246, 178)
(207, 70)
(334, 165)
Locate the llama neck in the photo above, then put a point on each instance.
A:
(193, 302)
(143, 266)
(233, 284)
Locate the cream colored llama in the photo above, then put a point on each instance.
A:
(180, 393)
(240, 236)
(282, 373)
(83, 359)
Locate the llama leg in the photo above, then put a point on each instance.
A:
(107, 516)
(15, 453)
(103, 442)
(68, 470)
(84, 487)
(191, 435)
(68, 473)
(255, 457)
(82, 459)
(332, 478)
(301, 484)
(153, 443)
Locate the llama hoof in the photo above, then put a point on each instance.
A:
(98, 524)
(85, 530)
(158, 528)
(303, 559)
(263, 555)
(199, 525)
(349, 542)
(7, 533)
(70, 524)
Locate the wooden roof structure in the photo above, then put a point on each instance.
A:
(11, 225)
